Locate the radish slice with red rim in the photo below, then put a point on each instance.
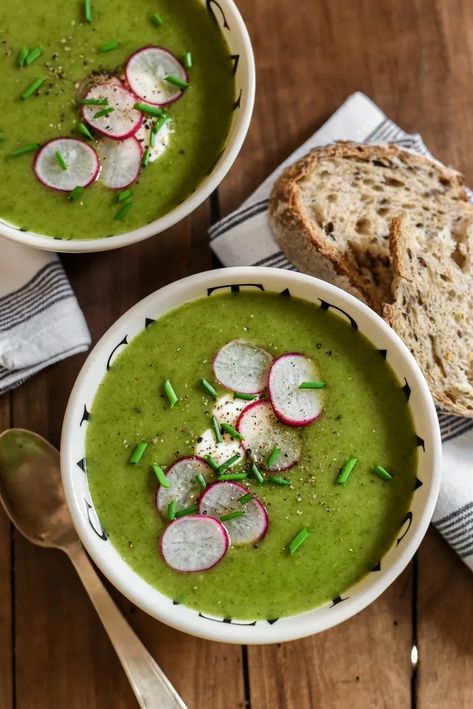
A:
(120, 161)
(262, 432)
(82, 164)
(222, 498)
(184, 488)
(294, 406)
(227, 409)
(123, 121)
(146, 71)
(194, 543)
(242, 366)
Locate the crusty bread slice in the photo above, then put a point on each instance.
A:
(331, 211)
(432, 309)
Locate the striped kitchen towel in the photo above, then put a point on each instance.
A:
(243, 238)
(40, 319)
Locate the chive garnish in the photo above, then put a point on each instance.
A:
(345, 472)
(187, 60)
(208, 388)
(161, 475)
(123, 211)
(151, 110)
(213, 464)
(170, 393)
(233, 476)
(199, 478)
(108, 46)
(245, 498)
(124, 195)
(279, 481)
(146, 155)
(312, 385)
(76, 193)
(171, 513)
(229, 462)
(29, 91)
(245, 397)
(186, 511)
(216, 428)
(33, 56)
(60, 159)
(88, 10)
(138, 453)
(232, 515)
(273, 456)
(93, 101)
(22, 54)
(83, 130)
(157, 19)
(257, 473)
(232, 432)
(156, 128)
(176, 81)
(382, 472)
(23, 149)
(104, 112)
(298, 540)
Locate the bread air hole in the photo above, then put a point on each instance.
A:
(393, 182)
(363, 226)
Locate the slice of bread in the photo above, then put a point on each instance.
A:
(332, 213)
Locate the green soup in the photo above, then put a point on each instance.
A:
(199, 121)
(365, 416)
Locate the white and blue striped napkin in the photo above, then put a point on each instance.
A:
(40, 319)
(244, 238)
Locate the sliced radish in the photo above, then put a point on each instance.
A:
(263, 432)
(220, 452)
(80, 158)
(242, 366)
(184, 488)
(223, 498)
(120, 161)
(123, 121)
(294, 406)
(227, 409)
(146, 71)
(194, 543)
(161, 139)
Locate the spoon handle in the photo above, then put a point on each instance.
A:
(152, 688)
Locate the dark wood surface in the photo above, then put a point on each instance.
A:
(414, 58)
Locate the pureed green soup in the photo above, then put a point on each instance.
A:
(70, 60)
(350, 526)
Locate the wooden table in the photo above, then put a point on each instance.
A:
(415, 58)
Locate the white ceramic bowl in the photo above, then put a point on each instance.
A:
(148, 598)
(231, 24)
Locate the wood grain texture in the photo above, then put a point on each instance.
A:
(6, 589)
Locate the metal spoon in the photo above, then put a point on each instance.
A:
(31, 493)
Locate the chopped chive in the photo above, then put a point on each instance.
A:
(245, 397)
(156, 128)
(187, 60)
(176, 81)
(108, 46)
(232, 432)
(104, 112)
(233, 476)
(279, 481)
(161, 475)
(245, 498)
(208, 388)
(171, 513)
(76, 193)
(186, 511)
(83, 130)
(216, 428)
(138, 453)
(200, 480)
(257, 473)
(229, 462)
(157, 19)
(22, 150)
(170, 393)
(273, 456)
(213, 464)
(123, 211)
(60, 159)
(22, 54)
(345, 472)
(382, 472)
(146, 155)
(298, 540)
(29, 91)
(151, 110)
(93, 101)
(312, 385)
(33, 56)
(88, 10)
(124, 195)
(232, 515)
